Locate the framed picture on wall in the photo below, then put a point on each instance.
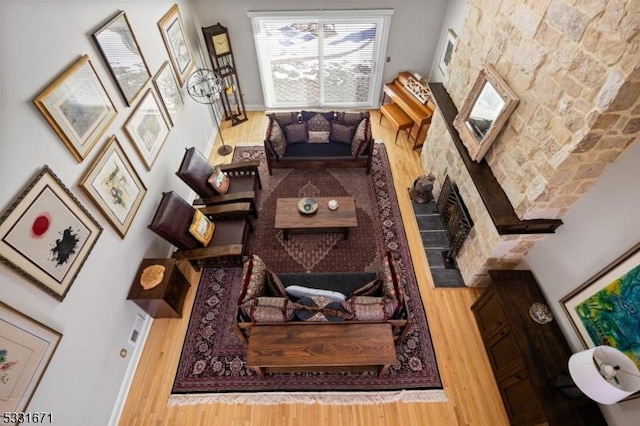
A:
(26, 347)
(450, 44)
(121, 52)
(177, 43)
(114, 186)
(147, 128)
(78, 107)
(169, 92)
(604, 310)
(46, 234)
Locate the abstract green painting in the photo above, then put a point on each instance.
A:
(606, 309)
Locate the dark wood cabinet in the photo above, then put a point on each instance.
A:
(165, 299)
(527, 357)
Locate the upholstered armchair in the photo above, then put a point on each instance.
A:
(243, 183)
(226, 247)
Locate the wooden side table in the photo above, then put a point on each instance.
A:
(165, 299)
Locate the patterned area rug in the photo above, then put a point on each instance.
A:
(212, 362)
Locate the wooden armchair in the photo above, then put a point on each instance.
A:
(228, 244)
(244, 180)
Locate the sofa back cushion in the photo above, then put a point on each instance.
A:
(285, 118)
(353, 118)
(342, 282)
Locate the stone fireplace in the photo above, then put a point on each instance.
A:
(576, 70)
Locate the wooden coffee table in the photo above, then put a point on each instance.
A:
(291, 221)
(321, 347)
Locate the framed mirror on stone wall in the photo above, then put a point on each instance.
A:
(484, 112)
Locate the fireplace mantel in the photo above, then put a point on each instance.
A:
(493, 196)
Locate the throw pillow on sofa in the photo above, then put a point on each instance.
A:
(253, 279)
(370, 308)
(269, 309)
(392, 285)
(298, 292)
(359, 141)
(320, 309)
(342, 133)
(296, 133)
(276, 138)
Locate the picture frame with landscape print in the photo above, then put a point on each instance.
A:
(177, 43)
(46, 234)
(120, 50)
(602, 310)
(169, 91)
(447, 52)
(77, 107)
(26, 347)
(147, 128)
(114, 186)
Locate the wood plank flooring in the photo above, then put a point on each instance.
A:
(473, 397)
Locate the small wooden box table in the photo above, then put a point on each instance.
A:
(319, 346)
(165, 300)
(324, 220)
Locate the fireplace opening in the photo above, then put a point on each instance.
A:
(455, 219)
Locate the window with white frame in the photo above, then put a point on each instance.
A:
(321, 58)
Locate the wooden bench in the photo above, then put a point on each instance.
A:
(398, 117)
(321, 347)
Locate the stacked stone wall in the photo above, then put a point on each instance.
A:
(575, 65)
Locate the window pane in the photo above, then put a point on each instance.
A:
(348, 62)
(321, 58)
(291, 57)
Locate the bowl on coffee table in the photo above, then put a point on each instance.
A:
(308, 205)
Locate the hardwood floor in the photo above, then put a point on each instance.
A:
(473, 397)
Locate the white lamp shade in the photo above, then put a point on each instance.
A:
(586, 374)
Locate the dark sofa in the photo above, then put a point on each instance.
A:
(369, 297)
(311, 139)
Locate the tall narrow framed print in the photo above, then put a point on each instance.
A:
(169, 92)
(46, 234)
(447, 52)
(177, 43)
(121, 52)
(114, 186)
(77, 107)
(26, 347)
(147, 128)
(604, 310)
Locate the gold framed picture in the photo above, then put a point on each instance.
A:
(114, 186)
(147, 128)
(177, 43)
(77, 107)
(26, 347)
(120, 50)
(46, 234)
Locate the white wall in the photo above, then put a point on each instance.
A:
(453, 19)
(598, 229)
(39, 40)
(415, 27)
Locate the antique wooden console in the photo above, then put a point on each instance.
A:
(527, 357)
